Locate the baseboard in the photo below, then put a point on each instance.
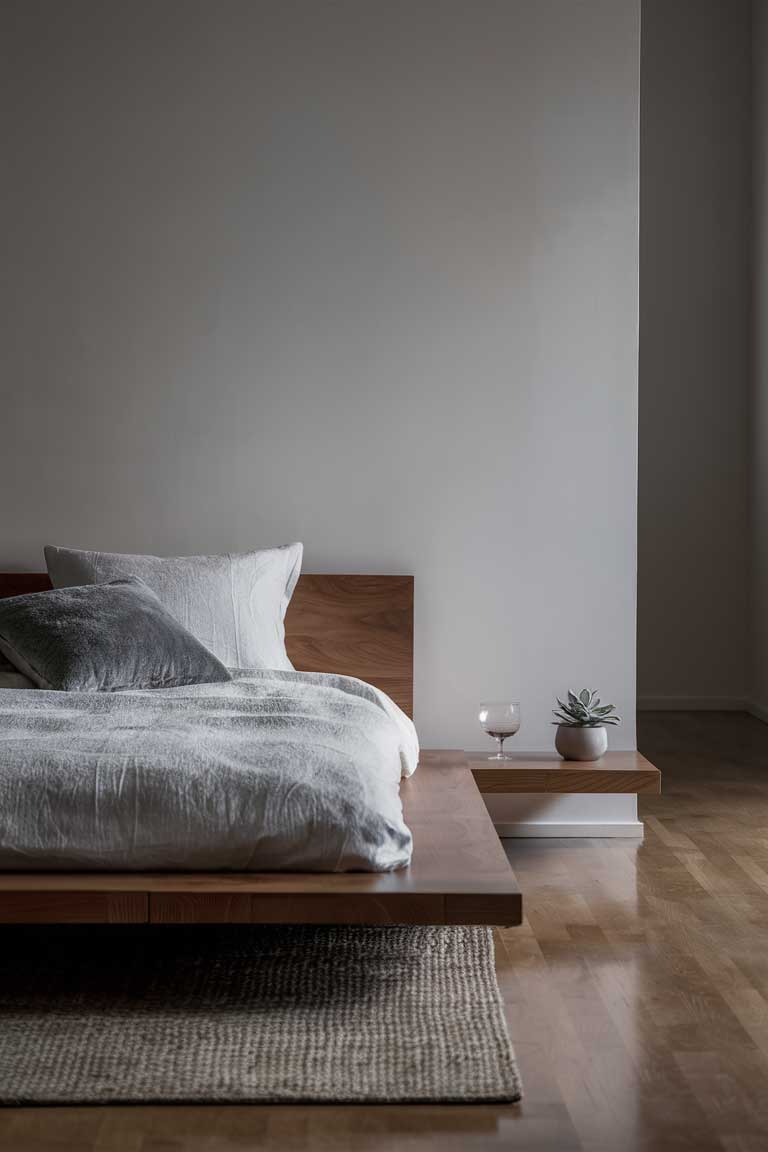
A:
(694, 704)
(545, 830)
(586, 814)
(759, 711)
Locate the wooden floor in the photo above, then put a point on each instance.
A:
(636, 990)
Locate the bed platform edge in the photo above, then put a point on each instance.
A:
(459, 875)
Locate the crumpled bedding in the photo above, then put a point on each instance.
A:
(274, 770)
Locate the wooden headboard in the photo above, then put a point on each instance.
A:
(354, 625)
(358, 626)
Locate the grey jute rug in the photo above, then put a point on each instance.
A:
(143, 1014)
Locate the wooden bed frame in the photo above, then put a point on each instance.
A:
(359, 626)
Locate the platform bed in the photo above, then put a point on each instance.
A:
(358, 626)
(459, 875)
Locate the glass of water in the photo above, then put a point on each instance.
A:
(500, 719)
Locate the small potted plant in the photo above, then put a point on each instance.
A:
(581, 722)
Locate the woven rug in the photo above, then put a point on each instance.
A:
(258, 1014)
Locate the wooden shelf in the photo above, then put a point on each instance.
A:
(616, 772)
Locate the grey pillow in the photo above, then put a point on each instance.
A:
(102, 638)
(235, 604)
(10, 677)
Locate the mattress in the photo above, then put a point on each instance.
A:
(272, 771)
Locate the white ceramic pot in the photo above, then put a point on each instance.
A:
(581, 743)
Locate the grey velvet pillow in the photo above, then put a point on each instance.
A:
(10, 677)
(102, 638)
(235, 604)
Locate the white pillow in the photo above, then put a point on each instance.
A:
(234, 604)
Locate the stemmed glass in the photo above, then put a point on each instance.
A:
(500, 719)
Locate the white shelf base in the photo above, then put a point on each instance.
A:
(546, 831)
(586, 814)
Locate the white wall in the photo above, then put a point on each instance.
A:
(358, 272)
(759, 390)
(694, 353)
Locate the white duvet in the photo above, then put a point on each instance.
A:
(275, 770)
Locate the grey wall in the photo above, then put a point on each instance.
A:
(694, 352)
(361, 273)
(759, 390)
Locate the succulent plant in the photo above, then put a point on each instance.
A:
(584, 711)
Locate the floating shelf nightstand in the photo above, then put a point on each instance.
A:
(542, 772)
(538, 794)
